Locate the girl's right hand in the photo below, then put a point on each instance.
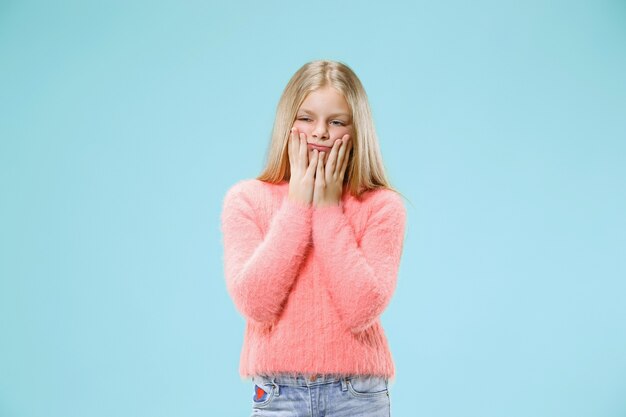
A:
(302, 180)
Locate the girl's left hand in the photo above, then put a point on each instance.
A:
(330, 172)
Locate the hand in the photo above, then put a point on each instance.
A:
(329, 175)
(302, 170)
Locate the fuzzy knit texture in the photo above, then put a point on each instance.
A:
(311, 282)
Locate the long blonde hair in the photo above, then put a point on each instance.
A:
(365, 170)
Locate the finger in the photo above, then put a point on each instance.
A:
(342, 153)
(303, 150)
(320, 169)
(291, 144)
(312, 163)
(332, 158)
(346, 156)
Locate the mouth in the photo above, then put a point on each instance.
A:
(320, 148)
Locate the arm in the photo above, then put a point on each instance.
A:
(360, 278)
(260, 269)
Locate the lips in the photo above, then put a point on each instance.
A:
(319, 147)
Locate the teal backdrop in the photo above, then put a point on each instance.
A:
(123, 123)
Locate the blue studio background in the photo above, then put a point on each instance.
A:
(123, 123)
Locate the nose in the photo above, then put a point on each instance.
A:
(320, 131)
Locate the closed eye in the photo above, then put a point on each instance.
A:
(336, 122)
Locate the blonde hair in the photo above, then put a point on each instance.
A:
(365, 169)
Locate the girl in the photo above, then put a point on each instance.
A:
(312, 248)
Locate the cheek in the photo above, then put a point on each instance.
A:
(302, 127)
(340, 131)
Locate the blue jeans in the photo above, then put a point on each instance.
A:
(321, 396)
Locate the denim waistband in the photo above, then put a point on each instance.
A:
(305, 379)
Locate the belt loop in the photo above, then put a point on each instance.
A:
(344, 384)
(277, 389)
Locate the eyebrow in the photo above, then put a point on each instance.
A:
(334, 114)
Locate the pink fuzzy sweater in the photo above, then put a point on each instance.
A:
(312, 282)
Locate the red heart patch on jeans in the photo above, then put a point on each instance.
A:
(260, 394)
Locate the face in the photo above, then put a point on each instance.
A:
(324, 117)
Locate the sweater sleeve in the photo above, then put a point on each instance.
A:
(260, 268)
(360, 276)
